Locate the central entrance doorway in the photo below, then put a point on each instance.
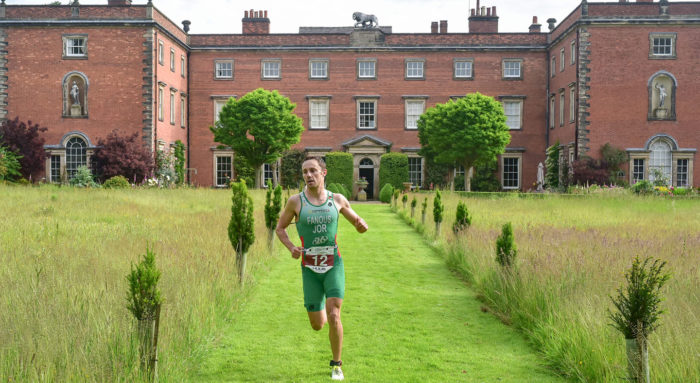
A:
(366, 169)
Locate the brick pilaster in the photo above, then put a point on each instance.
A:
(147, 86)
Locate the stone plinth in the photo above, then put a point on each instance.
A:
(76, 111)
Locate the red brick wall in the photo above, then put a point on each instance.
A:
(86, 12)
(113, 68)
(562, 79)
(173, 79)
(483, 26)
(619, 97)
(342, 86)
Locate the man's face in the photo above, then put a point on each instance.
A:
(312, 172)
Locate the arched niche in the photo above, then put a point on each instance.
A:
(662, 96)
(75, 95)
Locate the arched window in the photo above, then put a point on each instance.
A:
(366, 163)
(660, 164)
(76, 155)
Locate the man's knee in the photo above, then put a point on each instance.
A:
(334, 317)
(317, 326)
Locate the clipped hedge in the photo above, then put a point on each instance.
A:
(338, 189)
(386, 193)
(340, 167)
(117, 182)
(290, 170)
(393, 169)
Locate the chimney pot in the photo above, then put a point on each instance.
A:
(186, 25)
(551, 21)
(534, 19)
(473, 12)
(266, 13)
(245, 14)
(478, 8)
(493, 11)
(434, 27)
(443, 26)
(488, 12)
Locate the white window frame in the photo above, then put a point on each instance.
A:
(361, 73)
(217, 155)
(161, 54)
(161, 91)
(520, 103)
(359, 102)
(671, 36)
(573, 52)
(411, 119)
(562, 105)
(562, 58)
(412, 173)
(470, 69)
(552, 109)
(267, 69)
(572, 104)
(319, 104)
(172, 59)
(221, 70)
(508, 72)
(183, 111)
(267, 169)
(677, 172)
(172, 107)
(313, 73)
(519, 157)
(553, 67)
(414, 69)
(665, 164)
(69, 46)
(182, 65)
(218, 106)
(635, 175)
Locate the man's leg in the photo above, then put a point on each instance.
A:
(313, 298)
(317, 319)
(335, 333)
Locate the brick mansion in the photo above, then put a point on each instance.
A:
(623, 73)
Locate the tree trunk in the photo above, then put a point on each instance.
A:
(437, 229)
(422, 220)
(638, 360)
(468, 179)
(275, 181)
(451, 177)
(413, 210)
(147, 332)
(404, 204)
(258, 176)
(271, 240)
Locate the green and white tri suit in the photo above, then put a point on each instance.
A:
(322, 268)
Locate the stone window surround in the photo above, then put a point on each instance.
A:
(512, 154)
(562, 106)
(224, 152)
(514, 98)
(407, 99)
(454, 70)
(360, 99)
(503, 69)
(562, 58)
(327, 99)
(414, 60)
(220, 99)
(552, 109)
(572, 102)
(677, 153)
(553, 67)
(172, 59)
(573, 52)
(72, 36)
(60, 151)
(161, 95)
(173, 92)
(357, 68)
(319, 60)
(183, 110)
(672, 35)
(279, 69)
(161, 53)
(224, 61)
(182, 65)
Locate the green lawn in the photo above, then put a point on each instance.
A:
(406, 318)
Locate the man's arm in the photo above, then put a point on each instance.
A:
(349, 214)
(288, 214)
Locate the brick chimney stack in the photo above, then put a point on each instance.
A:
(483, 19)
(256, 23)
(434, 27)
(119, 2)
(535, 27)
(443, 26)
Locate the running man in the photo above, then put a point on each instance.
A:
(315, 212)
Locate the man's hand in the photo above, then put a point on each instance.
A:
(297, 251)
(360, 225)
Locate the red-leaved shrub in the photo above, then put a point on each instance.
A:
(118, 155)
(24, 139)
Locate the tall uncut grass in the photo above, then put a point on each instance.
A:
(572, 255)
(64, 256)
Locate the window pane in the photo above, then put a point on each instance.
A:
(160, 104)
(512, 112)
(463, 69)
(319, 69)
(366, 68)
(218, 105)
(511, 69)
(271, 69)
(76, 155)
(637, 170)
(367, 117)
(75, 47)
(414, 109)
(224, 69)
(572, 105)
(319, 114)
(55, 169)
(662, 46)
(267, 173)
(682, 173)
(224, 171)
(510, 173)
(562, 102)
(414, 69)
(183, 115)
(660, 159)
(172, 108)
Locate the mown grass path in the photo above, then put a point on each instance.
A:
(406, 319)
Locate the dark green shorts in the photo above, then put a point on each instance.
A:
(318, 287)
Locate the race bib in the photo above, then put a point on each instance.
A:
(319, 258)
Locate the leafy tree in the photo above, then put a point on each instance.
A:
(117, 182)
(83, 178)
(404, 200)
(118, 155)
(424, 208)
(9, 165)
(291, 168)
(551, 178)
(241, 227)
(25, 141)
(462, 220)
(467, 132)
(144, 297)
(613, 157)
(438, 208)
(485, 179)
(588, 171)
(273, 205)
(259, 126)
(180, 162)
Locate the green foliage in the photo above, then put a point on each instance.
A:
(180, 162)
(340, 169)
(25, 140)
(397, 193)
(469, 131)
(117, 182)
(241, 228)
(144, 297)
(505, 247)
(290, 169)
(438, 207)
(244, 171)
(83, 178)
(485, 178)
(551, 178)
(658, 177)
(613, 156)
(643, 187)
(259, 126)
(165, 173)
(424, 205)
(414, 202)
(463, 219)
(393, 169)
(338, 189)
(385, 193)
(273, 205)
(404, 199)
(9, 165)
(122, 155)
(638, 305)
(436, 174)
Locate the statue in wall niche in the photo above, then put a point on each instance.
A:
(75, 93)
(662, 94)
(364, 20)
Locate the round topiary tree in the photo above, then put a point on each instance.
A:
(117, 182)
(386, 193)
(241, 228)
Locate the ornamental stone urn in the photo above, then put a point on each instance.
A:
(407, 186)
(361, 184)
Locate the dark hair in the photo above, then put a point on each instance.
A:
(318, 159)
